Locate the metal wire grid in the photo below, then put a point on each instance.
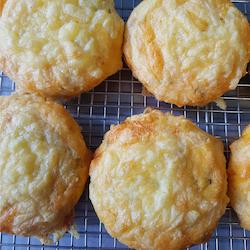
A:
(110, 103)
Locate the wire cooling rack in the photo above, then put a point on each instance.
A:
(110, 103)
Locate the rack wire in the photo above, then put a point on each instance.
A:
(110, 103)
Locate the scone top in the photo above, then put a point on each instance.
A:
(159, 182)
(43, 167)
(59, 47)
(187, 52)
(239, 178)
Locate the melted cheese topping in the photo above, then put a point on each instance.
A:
(42, 170)
(158, 179)
(62, 46)
(239, 178)
(187, 52)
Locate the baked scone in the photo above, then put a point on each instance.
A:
(44, 165)
(159, 182)
(60, 47)
(187, 52)
(239, 178)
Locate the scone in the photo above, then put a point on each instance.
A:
(60, 47)
(44, 165)
(158, 182)
(187, 52)
(239, 178)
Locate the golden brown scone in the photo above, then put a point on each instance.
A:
(60, 47)
(158, 182)
(43, 166)
(239, 178)
(187, 52)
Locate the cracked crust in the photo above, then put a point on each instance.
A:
(187, 52)
(159, 182)
(43, 167)
(60, 47)
(239, 178)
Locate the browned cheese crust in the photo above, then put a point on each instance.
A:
(43, 166)
(239, 178)
(60, 47)
(158, 182)
(187, 52)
